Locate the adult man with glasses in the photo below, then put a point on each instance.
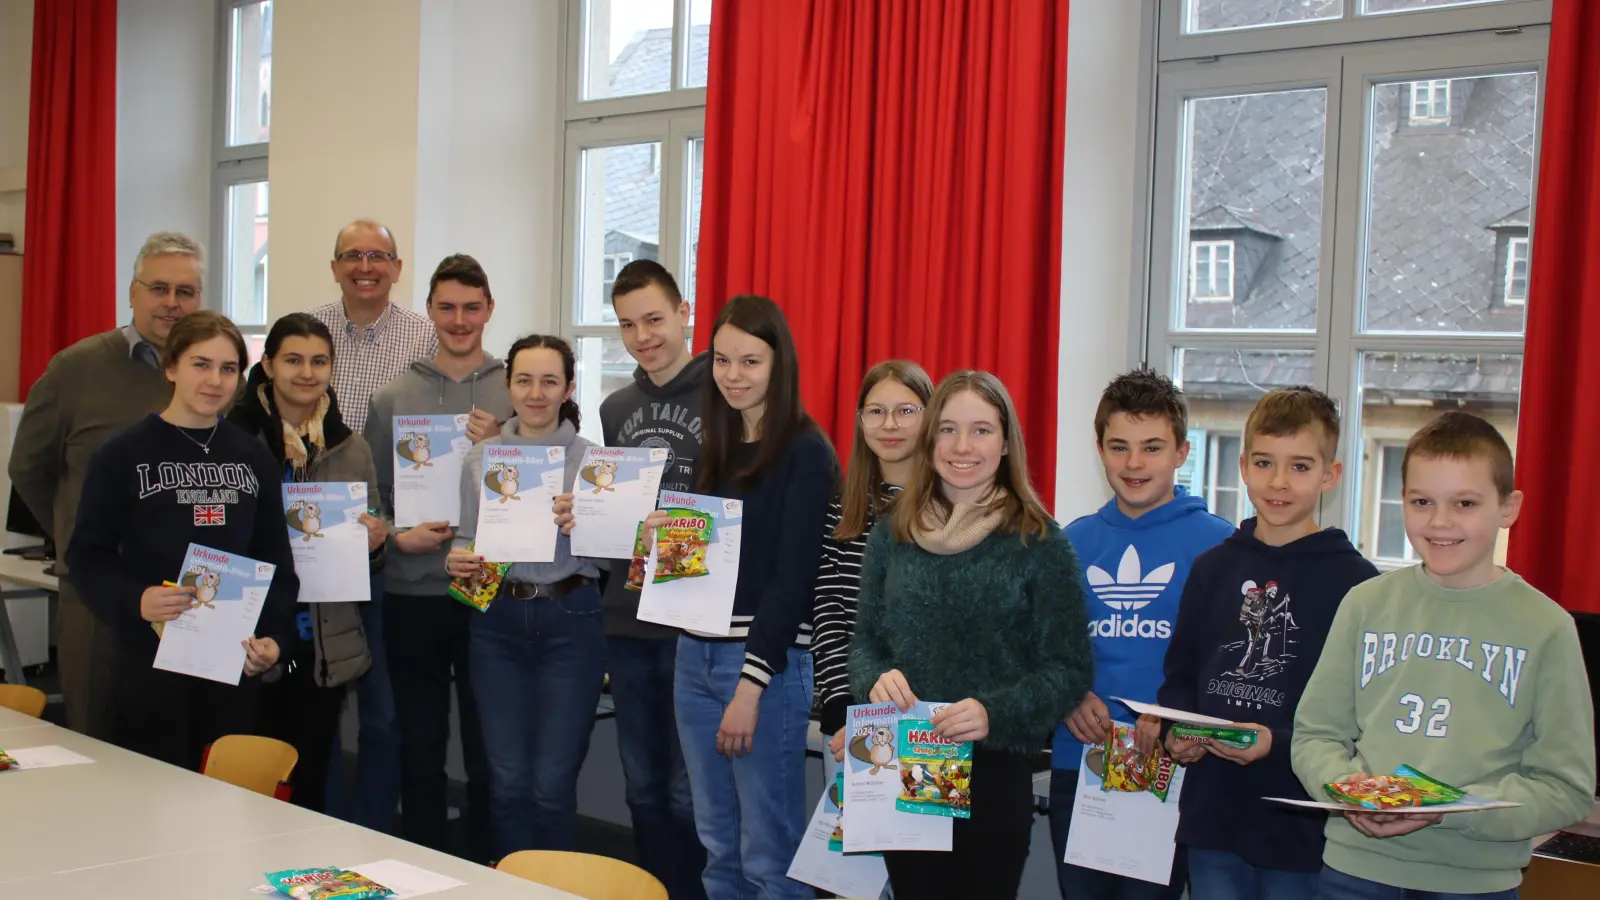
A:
(89, 392)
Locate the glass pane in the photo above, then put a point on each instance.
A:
(603, 366)
(691, 244)
(699, 55)
(1449, 188)
(245, 293)
(1220, 15)
(619, 220)
(1388, 6)
(1227, 455)
(1253, 210)
(250, 74)
(1400, 392)
(1392, 542)
(629, 48)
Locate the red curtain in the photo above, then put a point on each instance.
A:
(1553, 543)
(890, 174)
(68, 270)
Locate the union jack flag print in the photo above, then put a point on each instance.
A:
(210, 514)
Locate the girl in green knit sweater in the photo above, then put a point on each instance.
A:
(969, 594)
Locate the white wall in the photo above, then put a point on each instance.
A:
(1103, 196)
(16, 63)
(165, 56)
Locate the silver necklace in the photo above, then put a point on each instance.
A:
(206, 447)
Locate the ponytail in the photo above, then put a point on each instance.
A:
(570, 412)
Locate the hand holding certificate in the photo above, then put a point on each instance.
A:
(428, 451)
(615, 491)
(208, 641)
(328, 540)
(693, 564)
(902, 787)
(518, 487)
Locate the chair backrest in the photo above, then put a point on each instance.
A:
(592, 877)
(29, 701)
(254, 763)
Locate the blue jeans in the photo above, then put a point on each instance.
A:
(750, 811)
(659, 799)
(1079, 883)
(377, 791)
(1336, 885)
(1220, 875)
(537, 669)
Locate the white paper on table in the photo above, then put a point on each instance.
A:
(47, 757)
(1170, 714)
(427, 452)
(615, 491)
(207, 640)
(704, 603)
(515, 493)
(328, 541)
(816, 862)
(1469, 803)
(404, 879)
(872, 783)
(1132, 834)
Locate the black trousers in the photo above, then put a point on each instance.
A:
(173, 717)
(295, 710)
(988, 850)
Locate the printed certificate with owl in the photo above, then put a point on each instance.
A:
(328, 540)
(615, 490)
(881, 768)
(515, 493)
(428, 452)
(207, 640)
(693, 566)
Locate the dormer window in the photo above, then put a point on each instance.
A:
(1211, 271)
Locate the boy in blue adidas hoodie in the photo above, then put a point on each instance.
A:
(1135, 555)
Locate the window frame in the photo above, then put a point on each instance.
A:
(1213, 295)
(1216, 462)
(1525, 242)
(1380, 448)
(232, 166)
(1434, 88)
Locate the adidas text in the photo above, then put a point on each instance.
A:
(1132, 626)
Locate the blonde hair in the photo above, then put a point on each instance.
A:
(860, 501)
(1288, 411)
(1023, 513)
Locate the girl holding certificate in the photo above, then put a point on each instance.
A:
(969, 594)
(744, 700)
(182, 476)
(888, 424)
(537, 654)
(288, 407)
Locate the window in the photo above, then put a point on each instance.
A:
(1211, 271)
(1389, 271)
(1517, 257)
(238, 282)
(1430, 102)
(634, 125)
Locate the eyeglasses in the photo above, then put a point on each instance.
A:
(878, 416)
(376, 257)
(162, 290)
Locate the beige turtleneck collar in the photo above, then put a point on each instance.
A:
(966, 527)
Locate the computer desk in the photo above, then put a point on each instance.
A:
(31, 581)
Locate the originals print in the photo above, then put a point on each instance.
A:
(1269, 627)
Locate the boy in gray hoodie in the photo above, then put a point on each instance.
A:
(425, 632)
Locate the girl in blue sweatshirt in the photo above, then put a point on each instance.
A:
(744, 701)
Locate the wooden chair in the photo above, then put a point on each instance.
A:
(259, 764)
(29, 701)
(592, 877)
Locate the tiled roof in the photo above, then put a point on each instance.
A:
(1247, 374)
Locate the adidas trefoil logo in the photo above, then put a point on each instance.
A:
(1130, 590)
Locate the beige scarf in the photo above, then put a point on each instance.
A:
(966, 527)
(294, 439)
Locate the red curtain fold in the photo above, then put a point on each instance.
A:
(1553, 544)
(890, 174)
(68, 270)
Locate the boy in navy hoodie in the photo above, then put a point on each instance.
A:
(1255, 613)
(1135, 554)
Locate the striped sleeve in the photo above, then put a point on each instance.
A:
(834, 620)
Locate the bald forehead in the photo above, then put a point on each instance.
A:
(357, 232)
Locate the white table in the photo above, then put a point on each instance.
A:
(30, 575)
(130, 827)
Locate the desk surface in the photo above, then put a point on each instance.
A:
(26, 572)
(137, 829)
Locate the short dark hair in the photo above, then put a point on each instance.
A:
(296, 324)
(1287, 411)
(1462, 435)
(462, 269)
(569, 366)
(642, 273)
(1143, 393)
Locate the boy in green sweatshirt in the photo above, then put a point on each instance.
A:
(1460, 669)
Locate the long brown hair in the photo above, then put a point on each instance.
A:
(784, 417)
(860, 499)
(1024, 514)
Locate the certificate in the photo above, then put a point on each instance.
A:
(207, 640)
(875, 777)
(821, 861)
(1170, 714)
(328, 540)
(693, 566)
(518, 487)
(1469, 803)
(615, 490)
(428, 451)
(1125, 833)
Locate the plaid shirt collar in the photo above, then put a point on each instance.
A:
(372, 330)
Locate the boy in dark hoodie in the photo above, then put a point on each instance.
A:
(1135, 555)
(1255, 613)
(425, 632)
